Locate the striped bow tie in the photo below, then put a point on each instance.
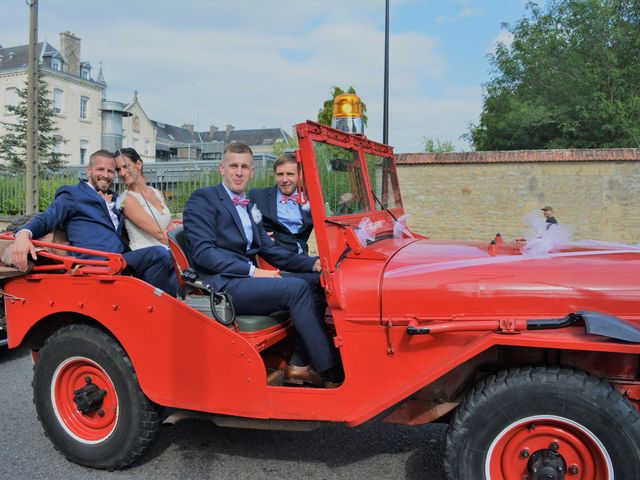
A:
(240, 201)
(285, 198)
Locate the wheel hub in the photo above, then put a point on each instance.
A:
(546, 464)
(547, 448)
(89, 398)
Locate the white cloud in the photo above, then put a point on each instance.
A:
(444, 119)
(220, 76)
(255, 64)
(462, 14)
(503, 37)
(471, 12)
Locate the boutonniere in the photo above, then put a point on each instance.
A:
(306, 206)
(120, 201)
(256, 214)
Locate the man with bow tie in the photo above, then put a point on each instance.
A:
(90, 219)
(224, 233)
(288, 222)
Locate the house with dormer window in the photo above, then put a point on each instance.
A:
(76, 96)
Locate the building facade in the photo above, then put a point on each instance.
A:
(138, 131)
(76, 96)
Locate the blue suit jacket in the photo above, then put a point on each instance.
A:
(217, 245)
(267, 201)
(83, 214)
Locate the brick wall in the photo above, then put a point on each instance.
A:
(474, 195)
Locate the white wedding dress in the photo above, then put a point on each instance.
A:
(138, 238)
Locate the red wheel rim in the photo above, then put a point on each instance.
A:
(92, 427)
(583, 453)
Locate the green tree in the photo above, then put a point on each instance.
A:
(431, 146)
(325, 114)
(569, 79)
(280, 146)
(13, 144)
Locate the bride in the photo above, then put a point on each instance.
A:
(146, 214)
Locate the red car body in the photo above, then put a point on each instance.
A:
(467, 304)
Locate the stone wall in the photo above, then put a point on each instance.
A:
(475, 195)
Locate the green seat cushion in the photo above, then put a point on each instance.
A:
(255, 323)
(246, 323)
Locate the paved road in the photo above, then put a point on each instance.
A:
(197, 449)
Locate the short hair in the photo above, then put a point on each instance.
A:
(288, 157)
(130, 153)
(237, 147)
(99, 153)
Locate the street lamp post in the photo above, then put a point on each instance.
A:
(31, 163)
(385, 115)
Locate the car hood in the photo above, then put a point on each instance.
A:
(444, 280)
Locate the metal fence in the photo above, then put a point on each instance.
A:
(175, 180)
(13, 190)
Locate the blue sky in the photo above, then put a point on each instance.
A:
(272, 63)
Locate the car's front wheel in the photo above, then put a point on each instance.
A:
(543, 423)
(89, 401)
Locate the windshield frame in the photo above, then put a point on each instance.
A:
(330, 227)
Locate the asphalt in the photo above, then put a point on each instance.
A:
(197, 449)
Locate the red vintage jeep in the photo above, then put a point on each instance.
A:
(534, 361)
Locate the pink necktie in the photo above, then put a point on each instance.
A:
(240, 201)
(284, 199)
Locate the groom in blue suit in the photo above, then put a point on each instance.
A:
(88, 215)
(224, 233)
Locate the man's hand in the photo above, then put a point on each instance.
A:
(317, 267)
(21, 248)
(262, 273)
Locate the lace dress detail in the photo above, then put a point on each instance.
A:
(138, 238)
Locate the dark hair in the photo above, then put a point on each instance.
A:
(130, 153)
(237, 147)
(99, 153)
(288, 157)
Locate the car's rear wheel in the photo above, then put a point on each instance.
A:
(543, 423)
(89, 401)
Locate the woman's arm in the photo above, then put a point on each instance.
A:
(143, 220)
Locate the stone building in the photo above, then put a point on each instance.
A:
(138, 131)
(76, 95)
(476, 195)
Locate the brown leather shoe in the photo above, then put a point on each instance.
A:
(275, 378)
(301, 375)
(330, 384)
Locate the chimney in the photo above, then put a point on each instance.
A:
(213, 129)
(188, 127)
(230, 128)
(70, 51)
